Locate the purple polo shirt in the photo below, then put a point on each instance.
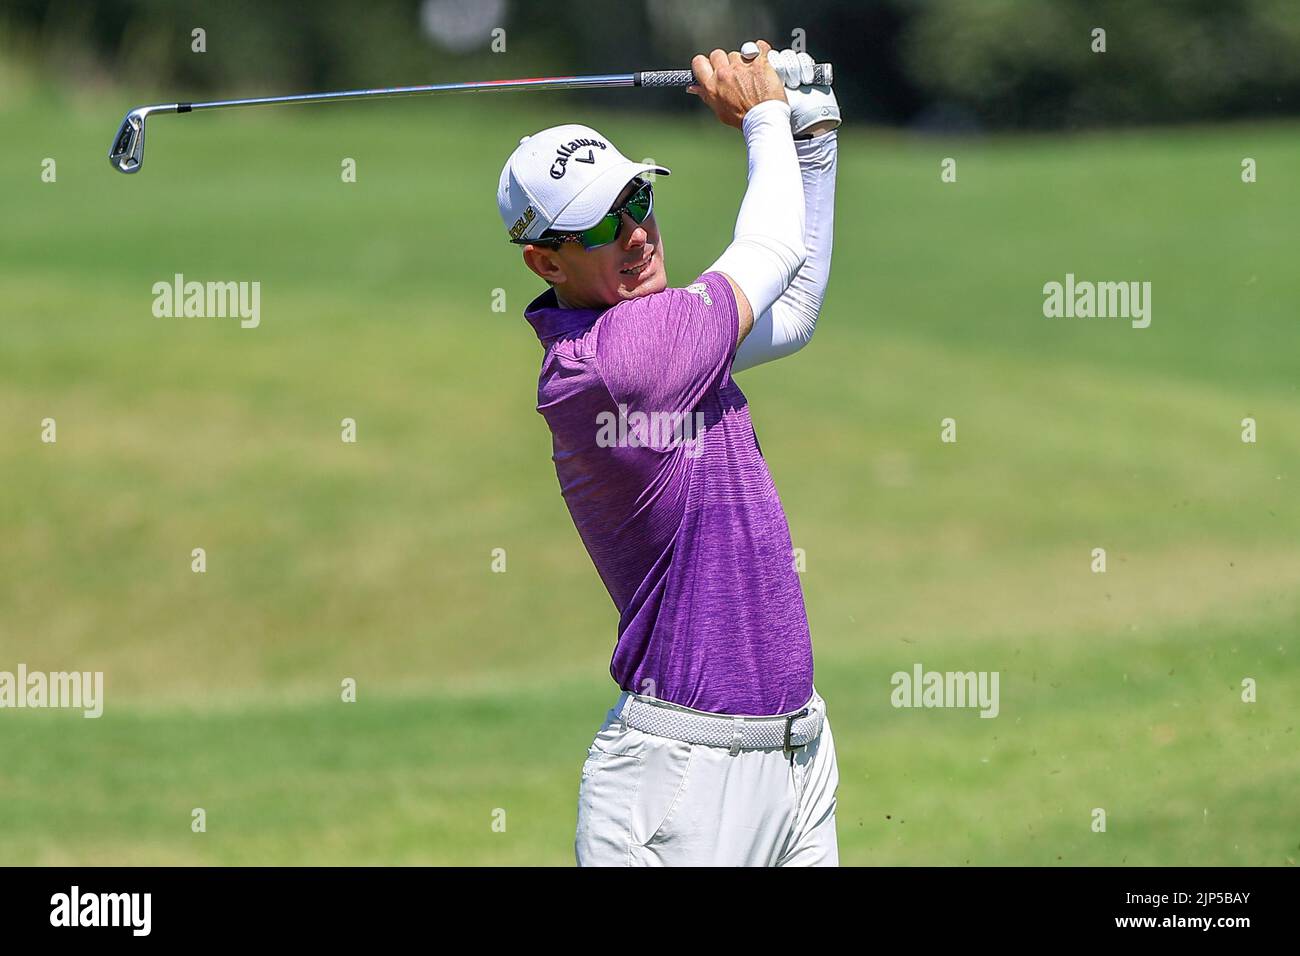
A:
(661, 470)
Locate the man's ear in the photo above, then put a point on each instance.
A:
(545, 262)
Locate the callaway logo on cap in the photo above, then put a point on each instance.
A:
(563, 178)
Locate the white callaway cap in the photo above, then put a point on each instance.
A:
(564, 178)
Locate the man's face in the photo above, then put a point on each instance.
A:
(597, 278)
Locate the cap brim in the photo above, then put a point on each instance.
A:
(586, 209)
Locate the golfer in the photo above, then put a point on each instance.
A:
(717, 751)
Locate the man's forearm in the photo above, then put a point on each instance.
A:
(767, 248)
(788, 325)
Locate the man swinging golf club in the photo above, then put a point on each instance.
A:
(717, 751)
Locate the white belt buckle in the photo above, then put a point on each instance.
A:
(788, 745)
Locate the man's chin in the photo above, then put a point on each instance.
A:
(657, 281)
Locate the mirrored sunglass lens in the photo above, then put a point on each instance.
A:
(601, 233)
(638, 206)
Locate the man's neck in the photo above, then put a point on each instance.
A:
(564, 303)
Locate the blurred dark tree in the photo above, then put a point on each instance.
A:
(1031, 63)
(929, 63)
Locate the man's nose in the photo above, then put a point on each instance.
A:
(637, 235)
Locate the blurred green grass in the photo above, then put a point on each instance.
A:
(480, 691)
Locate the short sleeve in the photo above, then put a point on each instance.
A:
(664, 352)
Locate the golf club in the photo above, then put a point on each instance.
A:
(127, 152)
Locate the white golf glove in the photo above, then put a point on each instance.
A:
(809, 105)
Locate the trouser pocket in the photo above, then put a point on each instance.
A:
(606, 797)
(665, 780)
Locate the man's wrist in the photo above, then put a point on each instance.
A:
(759, 113)
(819, 134)
(817, 149)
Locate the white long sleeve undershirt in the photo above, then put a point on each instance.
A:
(767, 248)
(788, 324)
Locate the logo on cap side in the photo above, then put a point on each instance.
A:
(568, 149)
(523, 222)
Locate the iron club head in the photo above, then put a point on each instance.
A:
(127, 152)
(126, 155)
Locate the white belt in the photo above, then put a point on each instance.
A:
(786, 732)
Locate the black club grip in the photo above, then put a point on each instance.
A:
(823, 75)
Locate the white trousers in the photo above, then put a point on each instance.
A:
(646, 800)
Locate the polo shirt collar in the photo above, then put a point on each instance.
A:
(550, 321)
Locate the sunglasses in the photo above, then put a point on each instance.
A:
(639, 206)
